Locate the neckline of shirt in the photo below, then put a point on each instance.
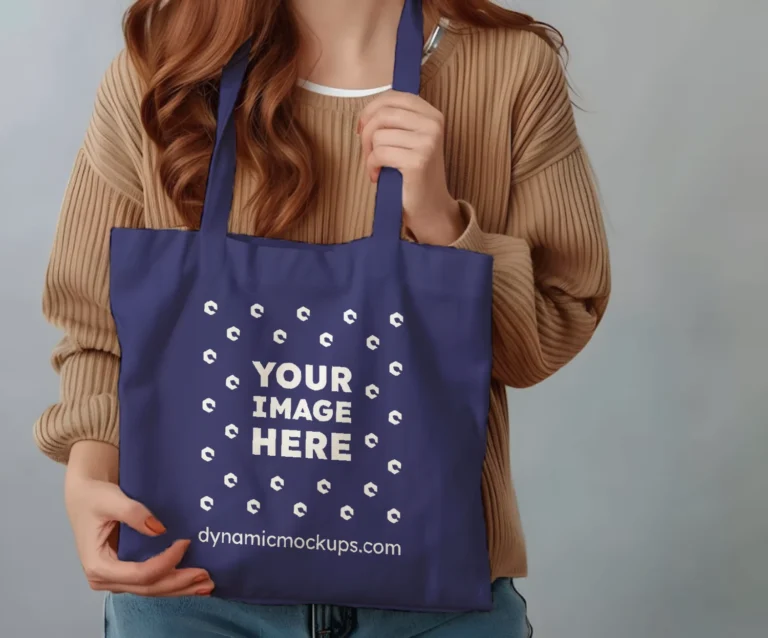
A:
(331, 91)
(335, 99)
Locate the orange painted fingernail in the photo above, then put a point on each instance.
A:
(155, 526)
(204, 592)
(201, 578)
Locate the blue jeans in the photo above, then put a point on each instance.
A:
(128, 616)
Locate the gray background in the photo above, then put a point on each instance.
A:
(640, 467)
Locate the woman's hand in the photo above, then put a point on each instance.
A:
(96, 505)
(403, 131)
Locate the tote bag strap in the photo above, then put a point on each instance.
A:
(221, 173)
(221, 176)
(388, 217)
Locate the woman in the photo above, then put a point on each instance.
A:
(491, 163)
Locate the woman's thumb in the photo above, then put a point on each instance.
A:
(118, 507)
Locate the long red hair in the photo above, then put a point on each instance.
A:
(179, 48)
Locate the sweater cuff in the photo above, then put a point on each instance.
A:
(88, 410)
(473, 237)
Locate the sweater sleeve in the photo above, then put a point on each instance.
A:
(104, 191)
(551, 266)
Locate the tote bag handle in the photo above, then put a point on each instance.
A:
(221, 177)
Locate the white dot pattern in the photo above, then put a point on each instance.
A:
(372, 391)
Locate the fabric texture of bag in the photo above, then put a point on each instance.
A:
(312, 417)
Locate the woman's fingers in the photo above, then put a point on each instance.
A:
(158, 576)
(106, 568)
(411, 140)
(96, 507)
(388, 118)
(389, 129)
(401, 112)
(404, 160)
(181, 582)
(112, 504)
(398, 100)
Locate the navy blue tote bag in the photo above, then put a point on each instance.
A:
(312, 417)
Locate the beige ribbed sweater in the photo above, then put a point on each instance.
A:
(514, 160)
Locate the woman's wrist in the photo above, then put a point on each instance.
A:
(93, 460)
(441, 227)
